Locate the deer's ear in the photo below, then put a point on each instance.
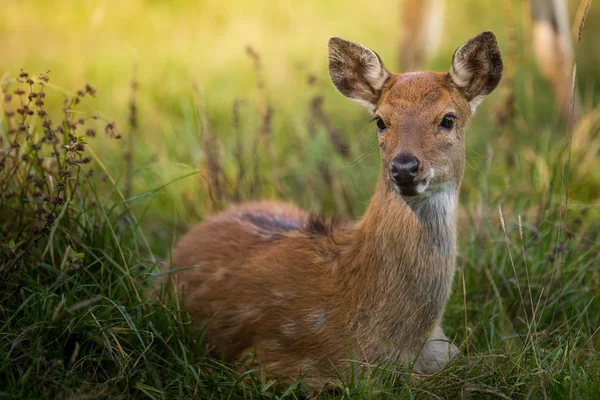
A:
(356, 71)
(477, 67)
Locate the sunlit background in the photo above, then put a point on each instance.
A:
(232, 101)
(171, 47)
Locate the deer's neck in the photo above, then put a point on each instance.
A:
(409, 232)
(402, 259)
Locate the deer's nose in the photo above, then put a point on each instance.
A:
(405, 167)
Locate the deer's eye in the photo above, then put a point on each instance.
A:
(448, 121)
(380, 124)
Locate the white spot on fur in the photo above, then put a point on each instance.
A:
(272, 344)
(318, 319)
(219, 274)
(281, 296)
(202, 290)
(288, 328)
(249, 313)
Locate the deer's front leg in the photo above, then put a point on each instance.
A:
(436, 352)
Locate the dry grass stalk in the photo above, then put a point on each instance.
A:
(340, 145)
(265, 111)
(238, 151)
(558, 256)
(133, 127)
(43, 166)
(213, 173)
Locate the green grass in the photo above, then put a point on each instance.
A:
(75, 316)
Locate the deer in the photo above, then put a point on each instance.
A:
(306, 295)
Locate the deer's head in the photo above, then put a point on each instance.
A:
(420, 116)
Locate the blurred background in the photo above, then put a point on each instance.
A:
(204, 103)
(232, 99)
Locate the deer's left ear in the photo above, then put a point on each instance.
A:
(477, 67)
(356, 71)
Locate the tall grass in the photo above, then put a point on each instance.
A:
(80, 251)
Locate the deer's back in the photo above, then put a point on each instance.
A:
(260, 279)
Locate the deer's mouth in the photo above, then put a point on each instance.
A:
(414, 188)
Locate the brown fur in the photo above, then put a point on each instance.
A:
(302, 293)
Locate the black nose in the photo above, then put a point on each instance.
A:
(405, 167)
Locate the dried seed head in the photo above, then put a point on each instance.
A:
(44, 77)
(39, 183)
(50, 218)
(90, 90)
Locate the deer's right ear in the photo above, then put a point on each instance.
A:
(356, 71)
(477, 67)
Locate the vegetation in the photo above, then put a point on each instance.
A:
(199, 105)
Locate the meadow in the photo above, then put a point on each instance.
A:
(181, 108)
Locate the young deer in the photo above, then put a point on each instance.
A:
(303, 295)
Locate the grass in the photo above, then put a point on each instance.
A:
(209, 122)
